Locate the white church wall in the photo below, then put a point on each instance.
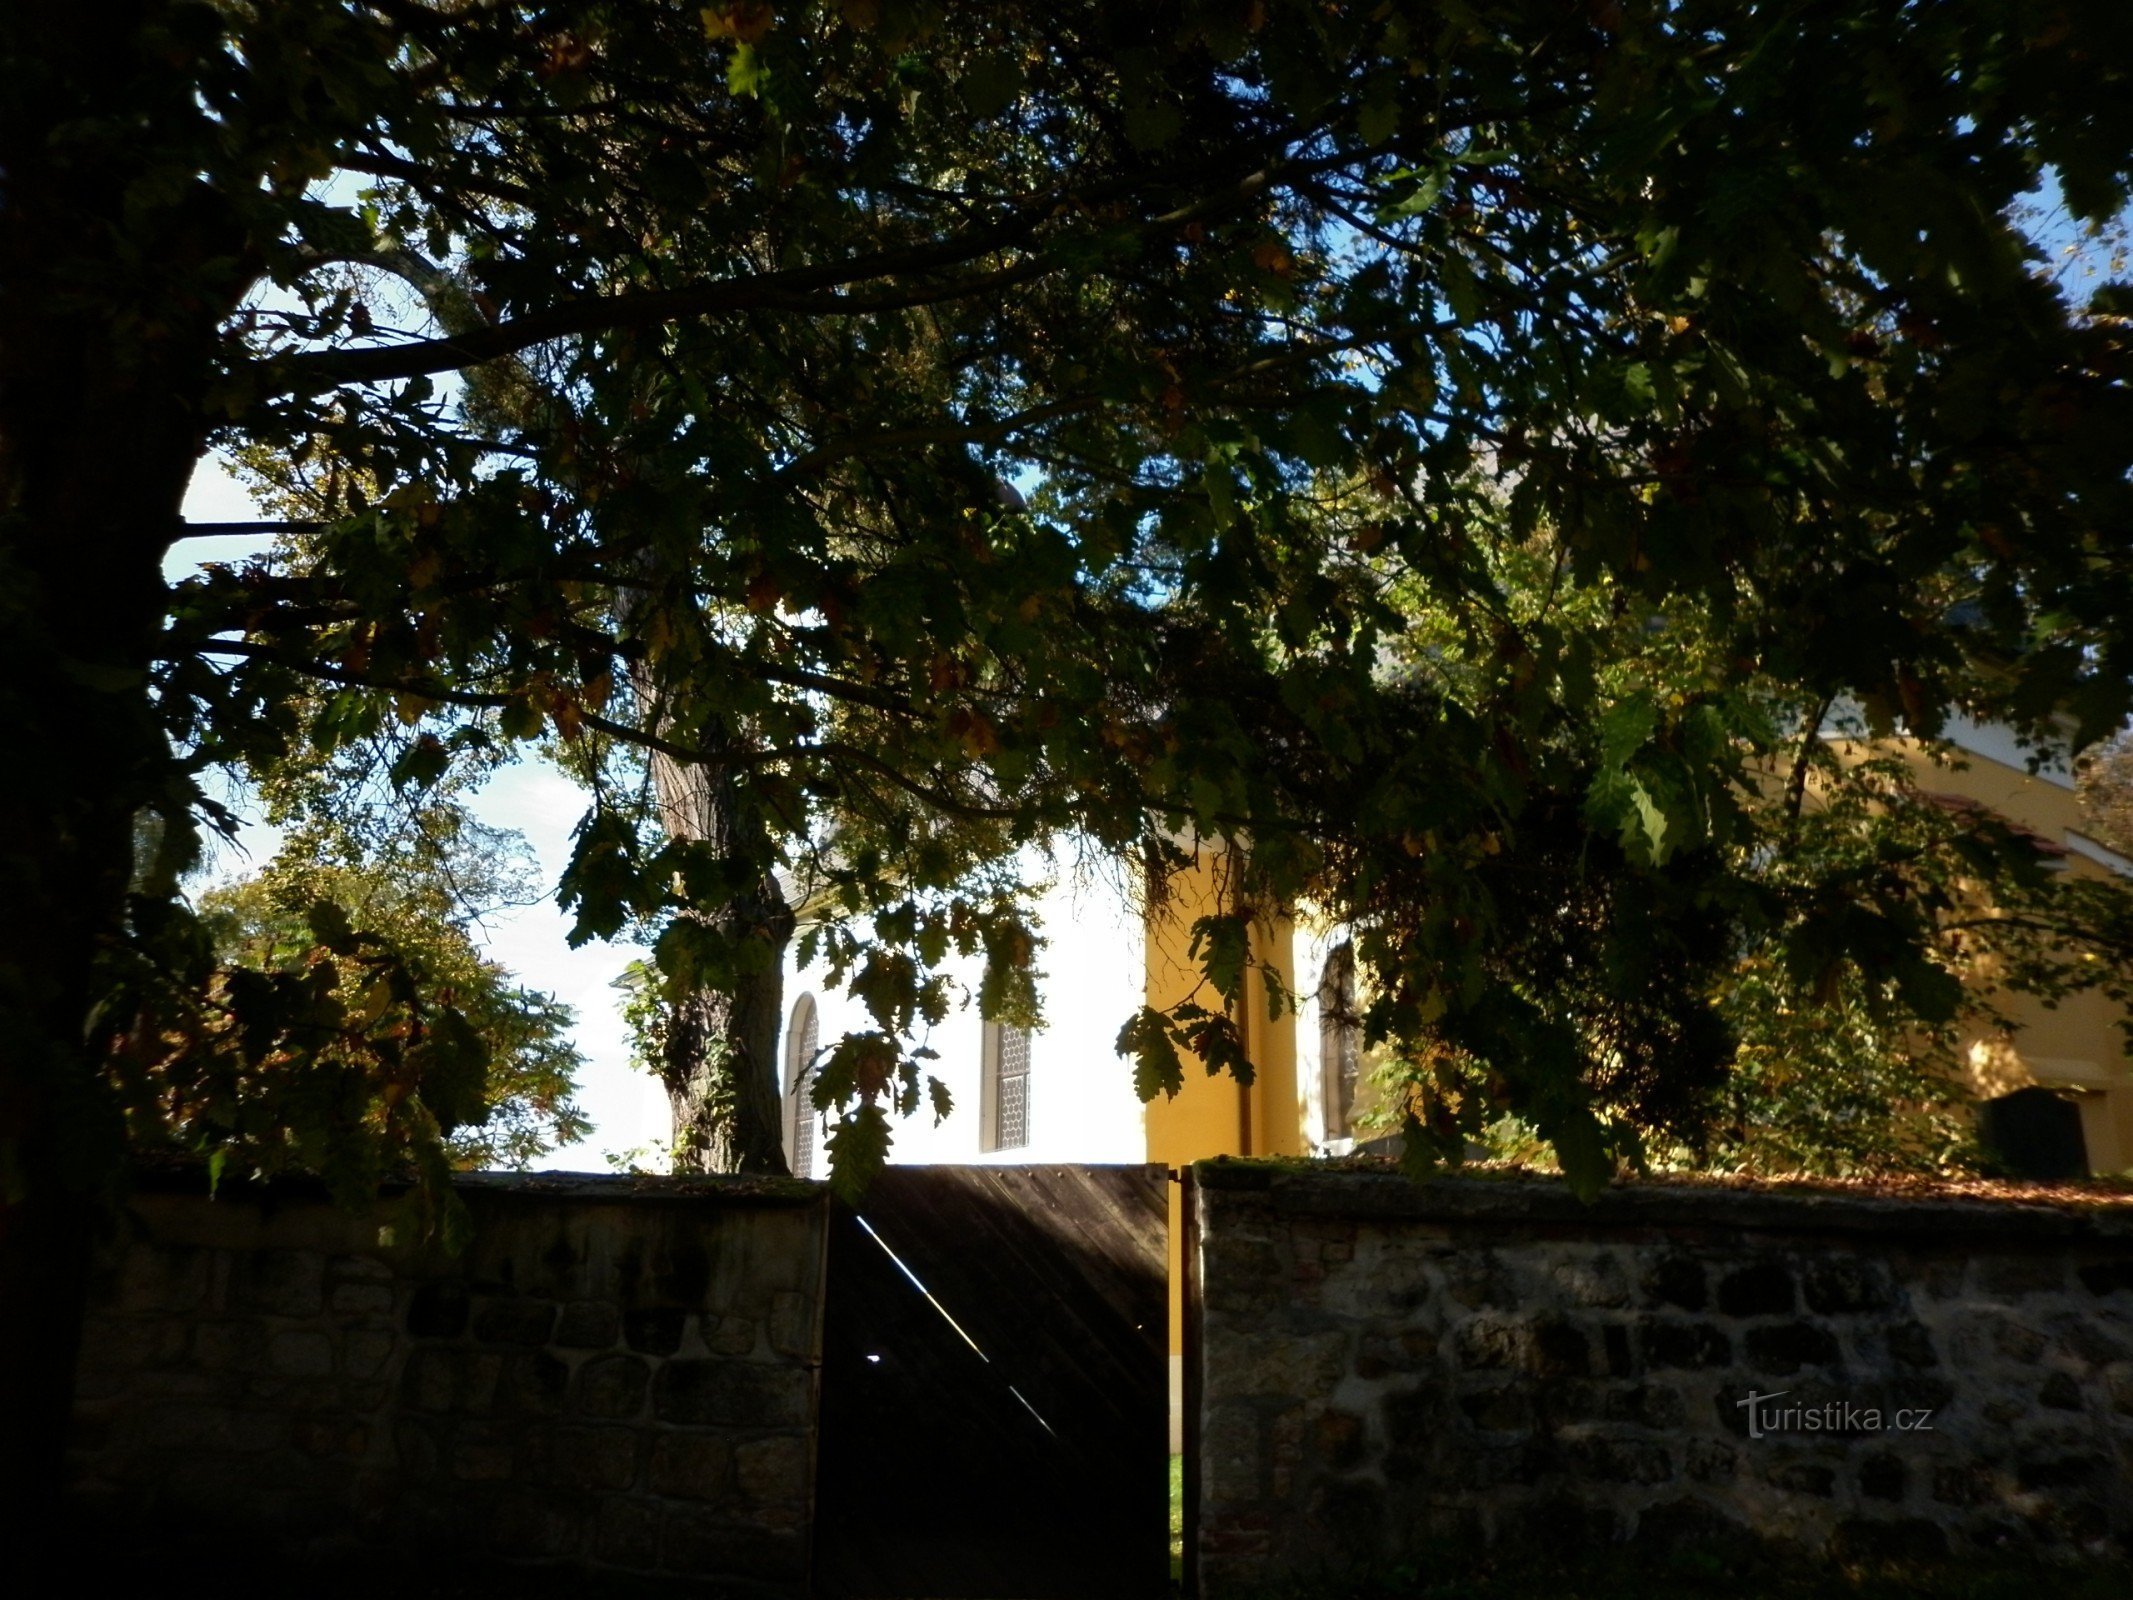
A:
(1081, 1102)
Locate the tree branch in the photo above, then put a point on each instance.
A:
(810, 289)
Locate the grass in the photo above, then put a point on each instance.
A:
(1177, 1519)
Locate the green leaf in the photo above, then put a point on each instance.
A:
(1223, 946)
(748, 72)
(858, 1149)
(330, 926)
(1157, 1069)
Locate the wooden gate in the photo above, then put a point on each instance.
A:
(994, 1387)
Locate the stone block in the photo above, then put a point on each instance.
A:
(626, 1534)
(1608, 1460)
(1231, 1471)
(280, 1283)
(484, 1455)
(418, 1450)
(361, 1299)
(1347, 1518)
(655, 1330)
(162, 1277)
(2118, 1384)
(1690, 1525)
(358, 1269)
(135, 1344)
(1560, 1522)
(1676, 1280)
(1340, 1439)
(1490, 1343)
(441, 1378)
(1764, 1289)
(2092, 1339)
(2017, 1341)
(1910, 1344)
(1647, 1405)
(691, 1466)
(729, 1335)
(613, 1386)
(1283, 1364)
(525, 1523)
(364, 1354)
(1686, 1344)
(195, 1429)
(1596, 1280)
(1789, 1346)
(1847, 1284)
(301, 1352)
(2059, 1471)
(731, 1394)
(585, 1458)
(1478, 1281)
(330, 1437)
(533, 1383)
(1710, 1461)
(700, 1543)
(1899, 1539)
(2011, 1276)
(230, 1346)
(1416, 1418)
(1407, 1351)
(1967, 1483)
(514, 1320)
(1502, 1408)
(792, 1324)
(1795, 1475)
(2061, 1393)
(772, 1471)
(1882, 1476)
(438, 1309)
(588, 1325)
(1493, 1462)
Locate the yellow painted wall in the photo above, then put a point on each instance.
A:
(1216, 1115)
(2077, 1044)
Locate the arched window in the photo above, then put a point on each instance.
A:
(1340, 1040)
(803, 1041)
(1003, 1098)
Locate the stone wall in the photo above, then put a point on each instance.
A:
(1385, 1368)
(616, 1374)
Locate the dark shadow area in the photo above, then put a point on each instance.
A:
(994, 1387)
(1574, 1571)
(2033, 1134)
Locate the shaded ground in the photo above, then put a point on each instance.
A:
(1641, 1575)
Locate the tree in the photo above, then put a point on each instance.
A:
(778, 299)
(1756, 929)
(520, 1106)
(2106, 781)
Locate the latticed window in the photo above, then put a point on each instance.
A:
(804, 1041)
(1007, 1083)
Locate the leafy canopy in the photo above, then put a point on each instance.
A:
(940, 421)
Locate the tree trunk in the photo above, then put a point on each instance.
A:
(722, 1044)
(110, 306)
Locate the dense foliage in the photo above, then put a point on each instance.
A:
(935, 428)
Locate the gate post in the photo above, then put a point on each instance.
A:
(1189, 1336)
